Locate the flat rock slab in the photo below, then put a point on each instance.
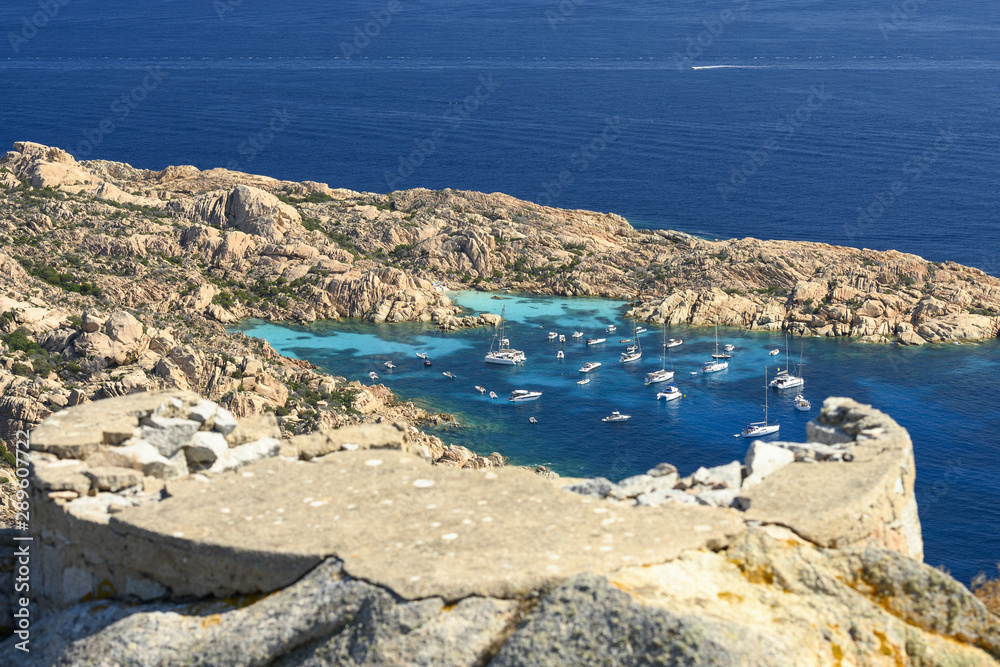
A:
(419, 530)
(81, 430)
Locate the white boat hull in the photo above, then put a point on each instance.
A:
(714, 368)
(668, 395)
(659, 376)
(500, 361)
(629, 358)
(758, 431)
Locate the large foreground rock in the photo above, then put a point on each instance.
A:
(349, 548)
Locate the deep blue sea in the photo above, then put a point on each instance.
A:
(859, 122)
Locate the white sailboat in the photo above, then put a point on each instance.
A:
(802, 404)
(503, 354)
(662, 375)
(716, 364)
(785, 380)
(758, 429)
(632, 352)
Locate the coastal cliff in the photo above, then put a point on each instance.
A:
(167, 532)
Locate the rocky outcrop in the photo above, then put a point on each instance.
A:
(469, 567)
(304, 251)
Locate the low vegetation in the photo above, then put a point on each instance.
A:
(988, 591)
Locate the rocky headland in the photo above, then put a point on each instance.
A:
(227, 245)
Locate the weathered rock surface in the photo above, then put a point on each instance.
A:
(303, 251)
(372, 556)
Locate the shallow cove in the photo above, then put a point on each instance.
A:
(944, 396)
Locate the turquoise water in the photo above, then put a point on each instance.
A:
(945, 395)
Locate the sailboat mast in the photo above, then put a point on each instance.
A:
(765, 395)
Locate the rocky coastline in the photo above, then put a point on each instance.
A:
(148, 419)
(116, 280)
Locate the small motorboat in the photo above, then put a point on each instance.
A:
(775, 352)
(674, 342)
(577, 334)
(553, 335)
(640, 330)
(522, 395)
(722, 355)
(671, 393)
(589, 366)
(373, 375)
(389, 365)
(532, 420)
(421, 355)
(728, 347)
(493, 394)
(427, 362)
(595, 341)
(583, 381)
(625, 340)
(802, 404)
(560, 355)
(481, 390)
(616, 417)
(611, 328)
(505, 342)
(562, 338)
(449, 374)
